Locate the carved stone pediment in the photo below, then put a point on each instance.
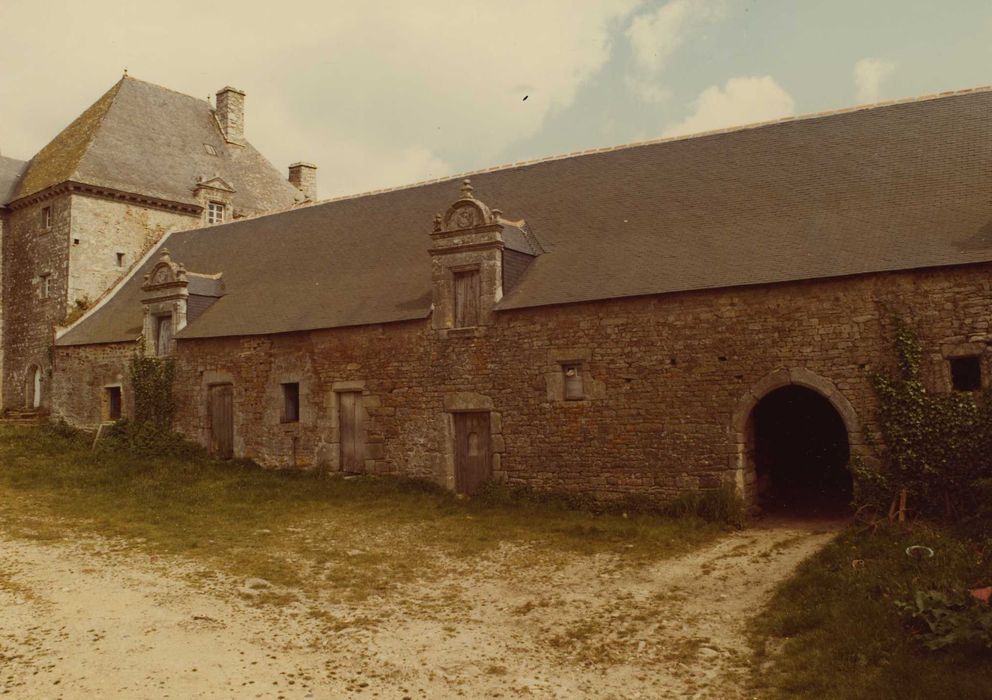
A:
(165, 273)
(216, 183)
(466, 213)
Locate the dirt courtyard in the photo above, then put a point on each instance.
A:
(97, 618)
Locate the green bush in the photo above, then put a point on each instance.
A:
(148, 439)
(936, 446)
(151, 382)
(944, 620)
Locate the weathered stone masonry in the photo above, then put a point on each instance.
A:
(664, 389)
(41, 253)
(141, 162)
(624, 329)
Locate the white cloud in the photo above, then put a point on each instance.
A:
(374, 93)
(868, 76)
(655, 36)
(743, 100)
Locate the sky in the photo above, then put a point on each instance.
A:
(381, 94)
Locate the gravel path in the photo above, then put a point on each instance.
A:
(99, 619)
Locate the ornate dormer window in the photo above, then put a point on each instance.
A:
(173, 298)
(165, 294)
(476, 254)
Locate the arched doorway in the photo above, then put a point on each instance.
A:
(32, 388)
(800, 449)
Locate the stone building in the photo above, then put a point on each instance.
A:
(139, 163)
(646, 319)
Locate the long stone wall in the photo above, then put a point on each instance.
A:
(666, 379)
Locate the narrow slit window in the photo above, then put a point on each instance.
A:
(44, 286)
(966, 373)
(466, 290)
(120, 260)
(46, 218)
(290, 402)
(573, 381)
(113, 397)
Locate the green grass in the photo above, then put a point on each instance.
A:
(833, 631)
(348, 538)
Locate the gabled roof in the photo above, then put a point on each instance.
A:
(11, 171)
(145, 139)
(892, 187)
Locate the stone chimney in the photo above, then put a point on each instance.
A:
(303, 176)
(230, 114)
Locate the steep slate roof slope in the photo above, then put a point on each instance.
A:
(10, 172)
(142, 138)
(892, 187)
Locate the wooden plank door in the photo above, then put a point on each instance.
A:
(350, 431)
(466, 298)
(472, 452)
(221, 414)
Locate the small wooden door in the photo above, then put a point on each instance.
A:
(472, 461)
(350, 430)
(221, 415)
(466, 298)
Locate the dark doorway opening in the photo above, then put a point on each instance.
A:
(801, 453)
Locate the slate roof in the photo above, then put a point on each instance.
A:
(145, 139)
(10, 172)
(892, 187)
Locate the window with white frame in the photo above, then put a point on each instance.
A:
(215, 212)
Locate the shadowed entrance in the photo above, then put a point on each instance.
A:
(801, 452)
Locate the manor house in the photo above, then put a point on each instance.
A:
(643, 320)
(141, 162)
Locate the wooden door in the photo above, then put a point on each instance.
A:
(350, 430)
(472, 462)
(221, 415)
(466, 299)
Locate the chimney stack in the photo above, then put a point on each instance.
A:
(231, 114)
(303, 176)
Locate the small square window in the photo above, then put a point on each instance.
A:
(113, 402)
(290, 402)
(215, 212)
(46, 218)
(120, 260)
(572, 374)
(966, 373)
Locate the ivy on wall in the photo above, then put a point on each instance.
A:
(151, 384)
(937, 446)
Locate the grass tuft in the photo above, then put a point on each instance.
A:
(834, 630)
(351, 537)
